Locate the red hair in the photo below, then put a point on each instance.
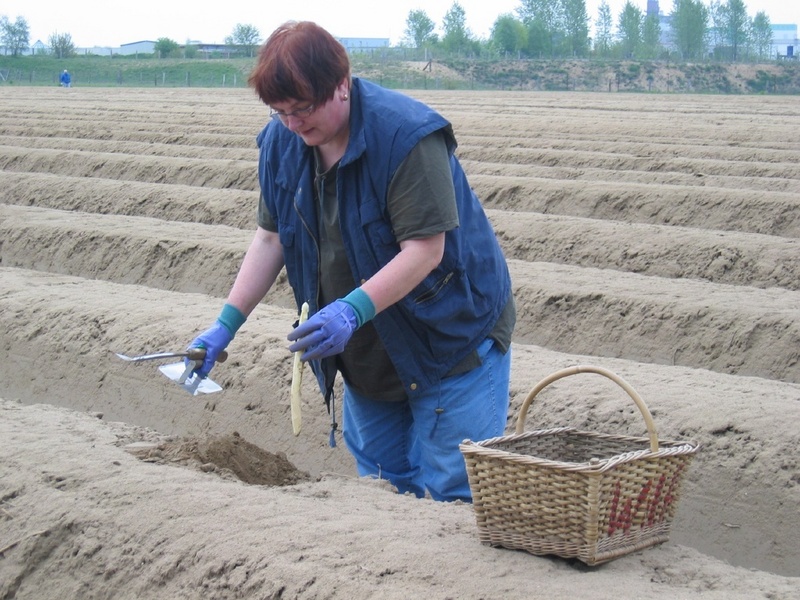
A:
(299, 61)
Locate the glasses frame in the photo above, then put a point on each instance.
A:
(300, 113)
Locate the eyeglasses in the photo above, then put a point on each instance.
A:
(300, 113)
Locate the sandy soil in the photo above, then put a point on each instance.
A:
(656, 236)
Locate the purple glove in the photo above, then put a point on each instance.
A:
(326, 333)
(214, 339)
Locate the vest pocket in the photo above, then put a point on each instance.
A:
(432, 290)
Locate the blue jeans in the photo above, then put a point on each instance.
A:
(414, 444)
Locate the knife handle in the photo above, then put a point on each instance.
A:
(200, 354)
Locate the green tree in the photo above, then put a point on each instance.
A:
(690, 28)
(15, 36)
(190, 50)
(761, 36)
(419, 29)
(736, 27)
(544, 20)
(716, 20)
(547, 12)
(61, 45)
(576, 27)
(540, 42)
(629, 30)
(164, 47)
(247, 37)
(602, 26)
(651, 37)
(456, 36)
(508, 34)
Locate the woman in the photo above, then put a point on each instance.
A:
(365, 204)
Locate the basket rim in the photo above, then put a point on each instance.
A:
(666, 448)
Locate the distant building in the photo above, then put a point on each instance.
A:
(98, 51)
(363, 44)
(784, 41)
(143, 47)
(39, 47)
(211, 49)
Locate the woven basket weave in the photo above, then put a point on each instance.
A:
(576, 494)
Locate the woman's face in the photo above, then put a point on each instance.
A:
(317, 125)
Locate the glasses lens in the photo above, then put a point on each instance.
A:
(305, 112)
(300, 113)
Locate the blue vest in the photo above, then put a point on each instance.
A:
(446, 316)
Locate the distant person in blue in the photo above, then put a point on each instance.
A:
(66, 79)
(365, 204)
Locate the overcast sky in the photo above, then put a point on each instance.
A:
(92, 23)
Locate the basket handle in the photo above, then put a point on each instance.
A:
(648, 418)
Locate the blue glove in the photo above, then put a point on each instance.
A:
(326, 333)
(217, 337)
(214, 339)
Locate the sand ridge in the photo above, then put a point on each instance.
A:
(654, 235)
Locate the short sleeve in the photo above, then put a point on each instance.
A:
(421, 198)
(265, 220)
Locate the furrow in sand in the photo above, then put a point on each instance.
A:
(175, 202)
(664, 251)
(209, 172)
(769, 213)
(565, 307)
(62, 332)
(724, 328)
(143, 148)
(733, 257)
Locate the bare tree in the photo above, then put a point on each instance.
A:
(61, 45)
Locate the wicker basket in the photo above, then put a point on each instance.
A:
(576, 494)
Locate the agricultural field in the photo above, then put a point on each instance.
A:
(657, 236)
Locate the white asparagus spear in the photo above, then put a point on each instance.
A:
(297, 379)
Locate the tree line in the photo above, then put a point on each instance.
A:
(537, 29)
(560, 29)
